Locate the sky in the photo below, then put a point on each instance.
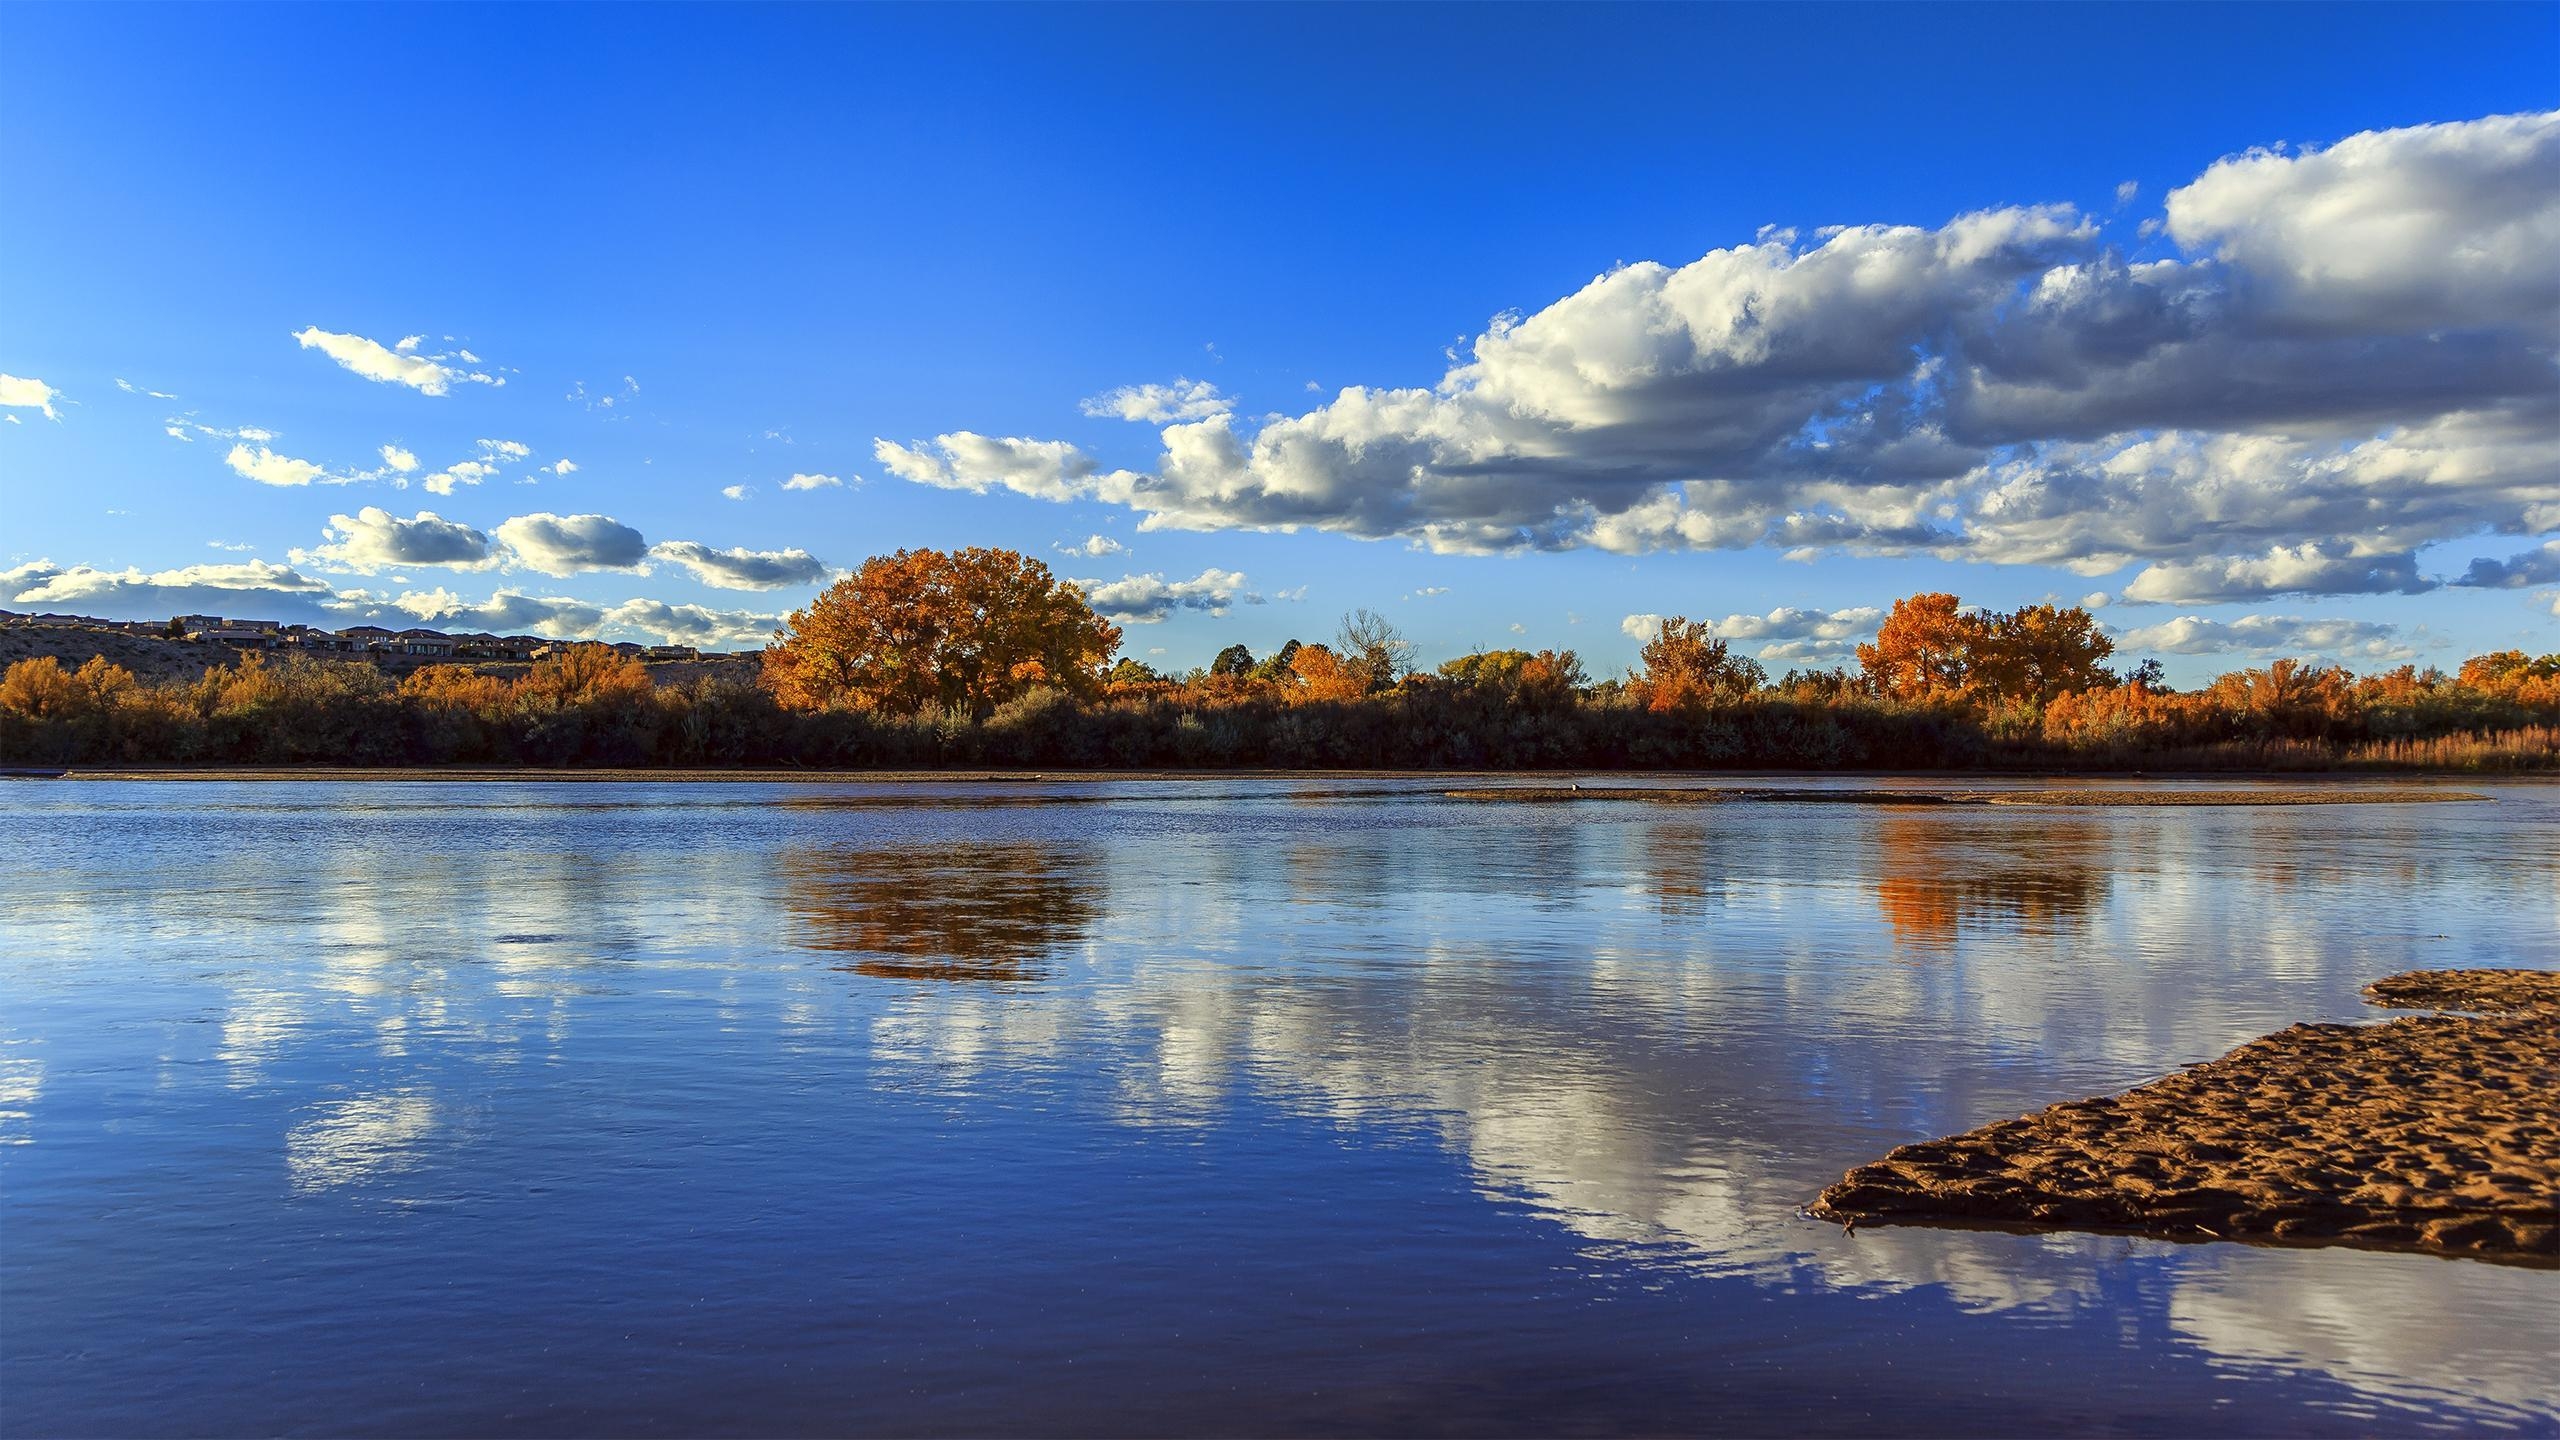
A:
(1522, 326)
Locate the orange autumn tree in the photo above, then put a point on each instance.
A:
(965, 631)
(1687, 665)
(1926, 649)
(2040, 652)
(1930, 648)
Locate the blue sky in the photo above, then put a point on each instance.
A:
(2270, 416)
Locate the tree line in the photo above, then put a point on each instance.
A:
(981, 657)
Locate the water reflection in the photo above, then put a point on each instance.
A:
(1937, 874)
(966, 911)
(1567, 1055)
(353, 1141)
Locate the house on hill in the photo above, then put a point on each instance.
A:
(424, 643)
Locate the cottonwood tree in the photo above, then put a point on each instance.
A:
(1685, 664)
(964, 631)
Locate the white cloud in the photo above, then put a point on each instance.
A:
(1160, 404)
(561, 467)
(562, 618)
(1150, 599)
(374, 539)
(20, 393)
(2311, 569)
(737, 492)
(2309, 371)
(1094, 547)
(504, 450)
(965, 460)
(743, 569)
(269, 468)
(571, 544)
(461, 472)
(398, 459)
(813, 482)
(693, 624)
(2421, 229)
(130, 388)
(2357, 641)
(1786, 634)
(387, 365)
(244, 588)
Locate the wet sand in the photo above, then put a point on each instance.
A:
(2437, 1133)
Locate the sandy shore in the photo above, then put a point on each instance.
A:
(2438, 1133)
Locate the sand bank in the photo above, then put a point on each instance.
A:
(2438, 1133)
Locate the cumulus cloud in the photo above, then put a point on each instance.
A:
(2311, 569)
(560, 617)
(813, 482)
(392, 365)
(2271, 635)
(571, 544)
(374, 539)
(20, 393)
(561, 467)
(1159, 404)
(965, 460)
(1151, 599)
(506, 612)
(1094, 547)
(693, 624)
(1787, 633)
(254, 588)
(395, 458)
(461, 472)
(736, 492)
(2538, 566)
(743, 569)
(2309, 373)
(265, 466)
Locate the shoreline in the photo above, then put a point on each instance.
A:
(2436, 1133)
(1539, 784)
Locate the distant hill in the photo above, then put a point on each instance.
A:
(158, 660)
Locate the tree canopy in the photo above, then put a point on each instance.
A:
(965, 631)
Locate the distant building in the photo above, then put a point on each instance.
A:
(190, 624)
(671, 652)
(420, 642)
(364, 637)
(247, 634)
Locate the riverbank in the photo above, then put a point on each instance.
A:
(2273, 787)
(2437, 1133)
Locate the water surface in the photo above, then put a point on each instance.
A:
(1195, 1106)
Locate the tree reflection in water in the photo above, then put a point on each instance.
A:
(1936, 874)
(994, 911)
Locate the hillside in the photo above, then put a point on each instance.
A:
(152, 658)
